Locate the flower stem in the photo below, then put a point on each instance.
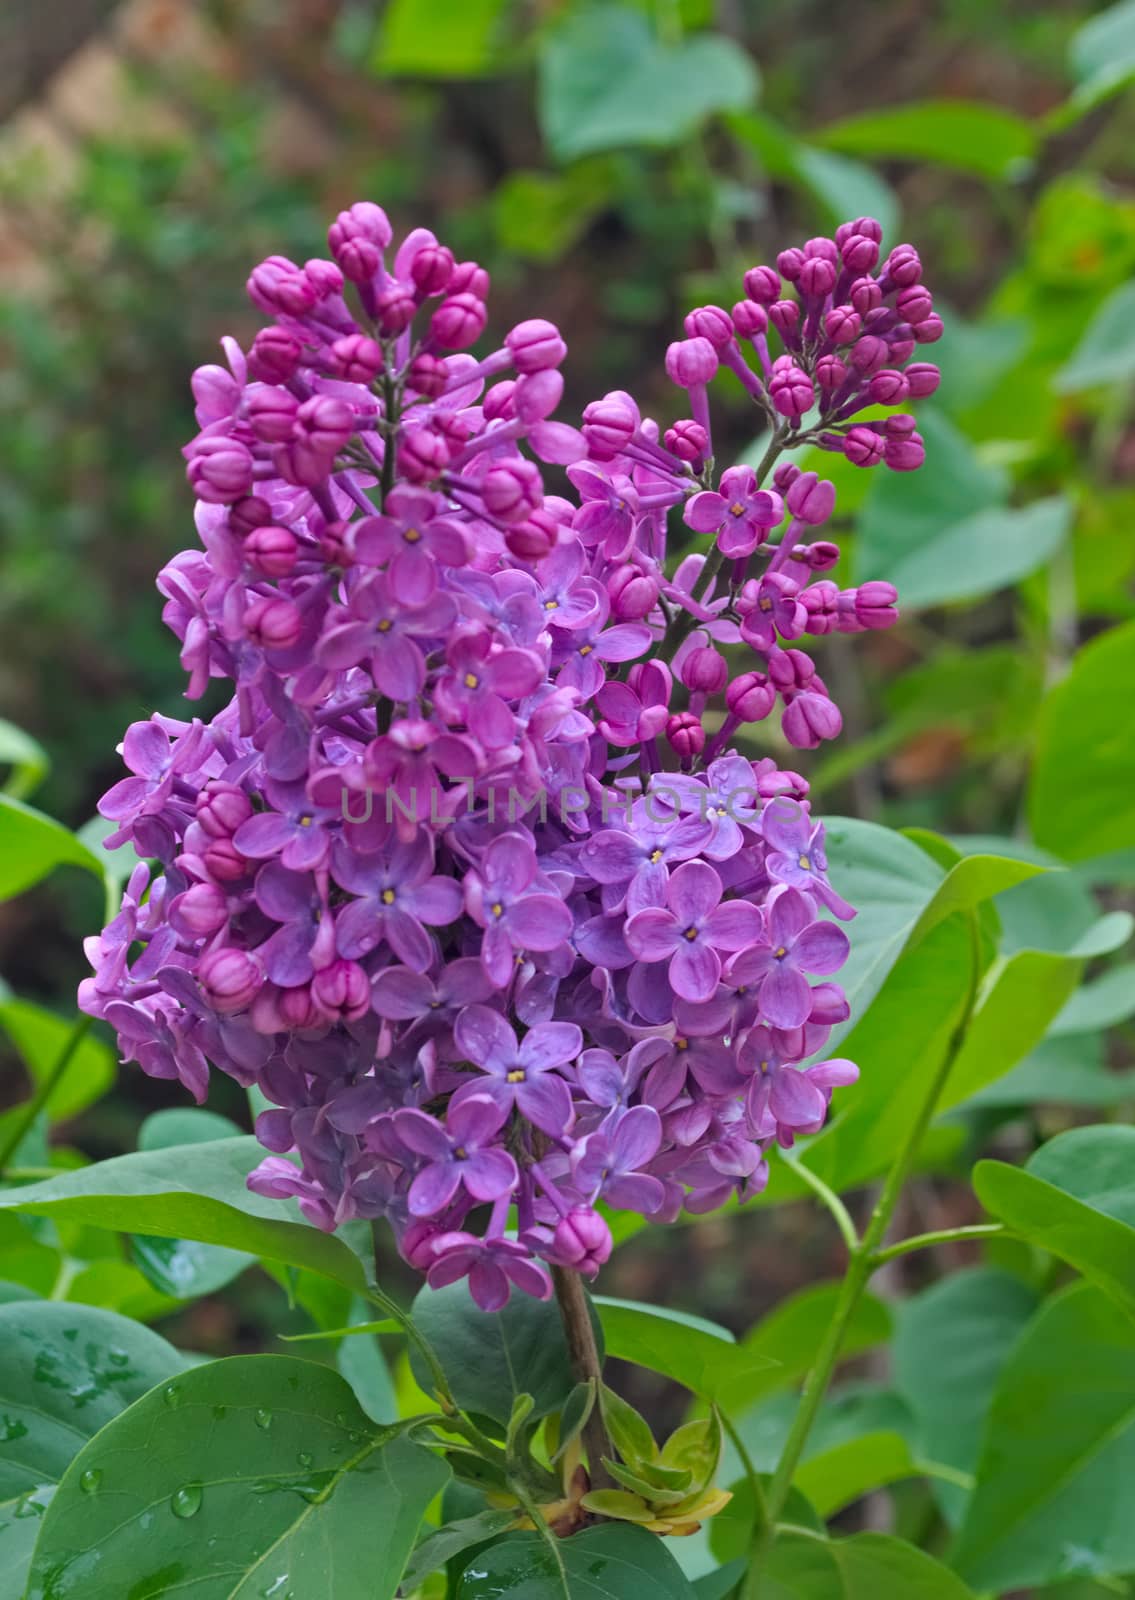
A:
(585, 1364)
(25, 1115)
(865, 1258)
(924, 1241)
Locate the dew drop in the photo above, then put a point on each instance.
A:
(118, 1358)
(263, 1418)
(305, 1459)
(220, 1412)
(90, 1480)
(186, 1501)
(341, 1418)
(171, 1394)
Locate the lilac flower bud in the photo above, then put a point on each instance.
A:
(633, 593)
(705, 670)
(535, 345)
(712, 323)
(865, 296)
(903, 266)
(274, 624)
(859, 253)
(533, 538)
(817, 277)
(251, 511)
(929, 330)
(582, 1240)
(341, 992)
(452, 427)
(750, 320)
(842, 325)
(221, 808)
(394, 310)
(432, 269)
(512, 490)
(914, 304)
(789, 263)
(325, 278)
(821, 601)
(271, 550)
(225, 862)
(900, 426)
(923, 378)
(750, 697)
(275, 355)
(785, 318)
(690, 362)
(356, 358)
(887, 387)
(608, 426)
(278, 286)
(868, 354)
(811, 498)
(863, 447)
(335, 544)
(791, 670)
(359, 259)
(865, 227)
(762, 284)
(272, 414)
(324, 424)
(538, 394)
(500, 401)
(428, 375)
(201, 911)
(905, 454)
(687, 440)
(809, 719)
(229, 979)
(874, 604)
(458, 322)
(469, 278)
(901, 349)
(790, 389)
(819, 557)
(786, 475)
(297, 1008)
(219, 470)
(364, 220)
(831, 373)
(685, 735)
(422, 455)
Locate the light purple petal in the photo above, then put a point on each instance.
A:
(483, 1036)
(421, 1134)
(694, 970)
(734, 925)
(704, 512)
(695, 890)
(407, 938)
(433, 1188)
(793, 1100)
(437, 901)
(539, 922)
(550, 1044)
(546, 1102)
(652, 933)
(786, 998)
(822, 948)
(788, 915)
(634, 1192)
(488, 1174)
(636, 1138)
(400, 994)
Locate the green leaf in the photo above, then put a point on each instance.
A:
(699, 1354)
(1103, 55)
(1076, 1199)
(33, 845)
(194, 1192)
(237, 1476)
(362, 1363)
(789, 1338)
(540, 215)
(606, 82)
(437, 38)
(40, 1038)
(964, 134)
(491, 1357)
(1106, 351)
(1067, 1069)
(1102, 1004)
(983, 553)
(1052, 1497)
(1083, 729)
(843, 188)
(611, 1562)
(67, 1372)
(438, 1549)
(950, 1345)
(867, 1566)
(27, 758)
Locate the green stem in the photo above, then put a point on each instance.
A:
(830, 1199)
(25, 1115)
(389, 407)
(924, 1241)
(862, 1264)
(762, 1526)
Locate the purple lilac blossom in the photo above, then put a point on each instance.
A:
(468, 878)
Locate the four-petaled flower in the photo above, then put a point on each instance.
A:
(520, 1074)
(797, 944)
(462, 1153)
(740, 514)
(506, 897)
(692, 928)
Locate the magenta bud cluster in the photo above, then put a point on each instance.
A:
(467, 877)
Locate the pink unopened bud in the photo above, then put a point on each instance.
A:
(750, 320)
(251, 511)
(325, 423)
(791, 670)
(582, 1240)
(458, 322)
(297, 1008)
(271, 550)
(325, 278)
(533, 538)
(868, 354)
(219, 470)
(873, 604)
(535, 345)
(705, 670)
(923, 378)
(914, 304)
(364, 220)
(356, 358)
(512, 490)
(279, 286)
(831, 373)
(335, 544)
(690, 362)
(929, 330)
(685, 735)
(762, 284)
(817, 278)
(785, 476)
(842, 325)
(359, 259)
(790, 389)
(712, 323)
(903, 266)
(687, 440)
(789, 263)
(432, 269)
(810, 718)
(863, 447)
(394, 310)
(428, 375)
(201, 911)
(272, 414)
(888, 387)
(341, 991)
(811, 498)
(905, 454)
(229, 979)
(274, 623)
(221, 808)
(750, 697)
(225, 862)
(865, 227)
(608, 426)
(859, 253)
(275, 355)
(865, 296)
(469, 278)
(634, 593)
(819, 557)
(785, 318)
(821, 601)
(422, 454)
(538, 394)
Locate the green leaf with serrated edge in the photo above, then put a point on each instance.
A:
(965, 134)
(67, 1371)
(239, 1474)
(438, 1549)
(951, 1342)
(1076, 1199)
(1053, 1479)
(491, 1357)
(615, 1562)
(196, 1192)
(33, 845)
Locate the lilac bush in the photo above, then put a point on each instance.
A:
(467, 878)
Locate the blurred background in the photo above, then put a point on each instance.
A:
(612, 165)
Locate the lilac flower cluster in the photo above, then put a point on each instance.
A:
(466, 879)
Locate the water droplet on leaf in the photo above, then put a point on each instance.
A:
(171, 1394)
(263, 1418)
(304, 1458)
(90, 1480)
(186, 1501)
